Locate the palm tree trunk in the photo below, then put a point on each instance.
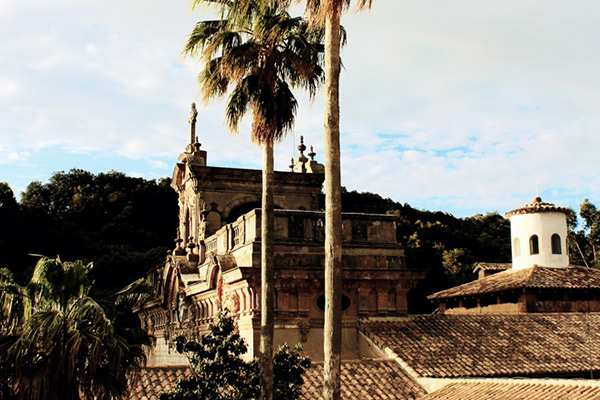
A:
(332, 345)
(267, 275)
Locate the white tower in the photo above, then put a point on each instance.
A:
(538, 234)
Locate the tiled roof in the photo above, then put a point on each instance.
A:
(155, 380)
(365, 380)
(536, 206)
(441, 346)
(516, 391)
(536, 277)
(361, 380)
(492, 266)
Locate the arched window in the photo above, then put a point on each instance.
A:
(534, 245)
(556, 248)
(517, 247)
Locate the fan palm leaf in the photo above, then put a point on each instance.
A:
(70, 346)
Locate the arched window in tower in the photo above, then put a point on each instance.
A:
(556, 247)
(517, 247)
(534, 245)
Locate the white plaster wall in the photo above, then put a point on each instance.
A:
(544, 225)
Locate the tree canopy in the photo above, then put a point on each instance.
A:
(220, 372)
(126, 225)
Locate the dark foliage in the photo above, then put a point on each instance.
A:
(219, 372)
(584, 243)
(124, 224)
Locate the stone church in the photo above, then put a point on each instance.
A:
(527, 330)
(216, 260)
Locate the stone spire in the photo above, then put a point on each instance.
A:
(192, 154)
(192, 121)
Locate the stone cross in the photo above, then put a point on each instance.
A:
(192, 121)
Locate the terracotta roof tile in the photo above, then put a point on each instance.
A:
(537, 206)
(572, 277)
(365, 380)
(361, 380)
(493, 345)
(155, 380)
(492, 266)
(516, 391)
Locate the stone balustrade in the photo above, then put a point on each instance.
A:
(296, 226)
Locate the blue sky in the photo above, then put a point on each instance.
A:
(452, 105)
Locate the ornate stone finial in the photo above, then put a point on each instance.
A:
(302, 158)
(292, 164)
(192, 121)
(312, 154)
(301, 147)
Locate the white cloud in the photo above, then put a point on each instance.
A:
(455, 104)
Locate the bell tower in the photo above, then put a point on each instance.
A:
(538, 233)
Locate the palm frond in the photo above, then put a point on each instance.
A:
(259, 52)
(64, 348)
(239, 99)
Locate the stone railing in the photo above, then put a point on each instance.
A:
(296, 226)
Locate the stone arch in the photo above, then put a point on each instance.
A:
(213, 275)
(172, 286)
(240, 201)
(241, 206)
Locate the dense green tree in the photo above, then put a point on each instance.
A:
(59, 342)
(584, 243)
(220, 373)
(591, 225)
(261, 52)
(11, 229)
(124, 224)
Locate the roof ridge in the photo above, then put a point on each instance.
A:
(530, 274)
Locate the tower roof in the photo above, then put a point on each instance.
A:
(537, 206)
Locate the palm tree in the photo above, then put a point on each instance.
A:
(261, 52)
(328, 13)
(60, 343)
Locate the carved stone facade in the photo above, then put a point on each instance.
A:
(216, 261)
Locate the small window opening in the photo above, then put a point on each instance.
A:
(517, 247)
(556, 247)
(534, 245)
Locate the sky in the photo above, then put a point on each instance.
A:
(463, 106)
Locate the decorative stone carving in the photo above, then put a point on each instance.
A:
(232, 303)
(303, 327)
